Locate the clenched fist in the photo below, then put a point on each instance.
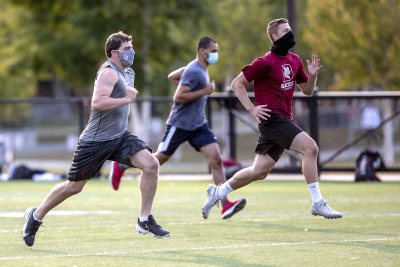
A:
(131, 93)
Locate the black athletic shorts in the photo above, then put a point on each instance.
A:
(276, 135)
(197, 138)
(89, 157)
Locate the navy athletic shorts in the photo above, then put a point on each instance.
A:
(276, 135)
(89, 157)
(197, 138)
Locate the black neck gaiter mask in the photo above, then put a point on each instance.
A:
(282, 45)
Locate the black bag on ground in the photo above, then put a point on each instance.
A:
(367, 163)
(24, 172)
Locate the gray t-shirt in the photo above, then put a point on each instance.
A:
(191, 115)
(110, 124)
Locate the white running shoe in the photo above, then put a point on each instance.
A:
(211, 200)
(322, 208)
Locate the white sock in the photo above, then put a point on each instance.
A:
(315, 194)
(143, 219)
(224, 189)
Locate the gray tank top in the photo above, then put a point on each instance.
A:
(110, 124)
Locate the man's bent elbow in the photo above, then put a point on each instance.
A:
(97, 106)
(234, 83)
(178, 100)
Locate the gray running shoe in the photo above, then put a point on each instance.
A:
(30, 228)
(211, 200)
(322, 208)
(151, 226)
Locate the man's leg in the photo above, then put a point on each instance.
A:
(33, 216)
(262, 165)
(117, 169)
(307, 147)
(57, 195)
(149, 165)
(161, 157)
(212, 154)
(260, 169)
(146, 162)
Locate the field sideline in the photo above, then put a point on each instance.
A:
(96, 228)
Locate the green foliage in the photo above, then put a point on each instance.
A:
(240, 30)
(64, 40)
(16, 73)
(359, 40)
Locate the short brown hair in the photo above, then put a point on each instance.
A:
(115, 40)
(273, 27)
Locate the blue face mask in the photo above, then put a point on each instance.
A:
(126, 57)
(212, 58)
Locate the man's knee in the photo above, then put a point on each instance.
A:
(151, 166)
(260, 174)
(305, 145)
(216, 161)
(73, 188)
(312, 149)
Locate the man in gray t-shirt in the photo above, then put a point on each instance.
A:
(190, 115)
(187, 121)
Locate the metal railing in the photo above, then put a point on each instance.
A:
(331, 118)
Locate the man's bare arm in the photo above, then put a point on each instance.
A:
(104, 85)
(239, 87)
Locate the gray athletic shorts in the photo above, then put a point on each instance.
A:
(276, 135)
(89, 157)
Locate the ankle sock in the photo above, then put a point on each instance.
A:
(315, 193)
(224, 189)
(34, 217)
(143, 219)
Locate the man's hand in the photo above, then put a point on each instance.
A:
(210, 88)
(260, 112)
(314, 66)
(131, 93)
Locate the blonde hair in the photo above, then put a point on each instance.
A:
(273, 27)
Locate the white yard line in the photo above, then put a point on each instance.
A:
(271, 214)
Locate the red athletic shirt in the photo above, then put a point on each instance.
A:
(275, 79)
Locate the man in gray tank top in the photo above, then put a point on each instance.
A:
(187, 121)
(106, 138)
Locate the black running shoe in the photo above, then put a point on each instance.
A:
(30, 227)
(151, 226)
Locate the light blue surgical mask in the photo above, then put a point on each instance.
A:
(126, 57)
(212, 58)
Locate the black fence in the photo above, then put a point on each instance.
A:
(337, 112)
(47, 129)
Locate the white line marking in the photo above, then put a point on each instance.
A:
(272, 216)
(14, 214)
(279, 244)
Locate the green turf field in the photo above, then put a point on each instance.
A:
(274, 229)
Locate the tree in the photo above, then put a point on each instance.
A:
(240, 29)
(16, 75)
(66, 38)
(358, 40)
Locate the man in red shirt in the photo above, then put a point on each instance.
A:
(275, 76)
